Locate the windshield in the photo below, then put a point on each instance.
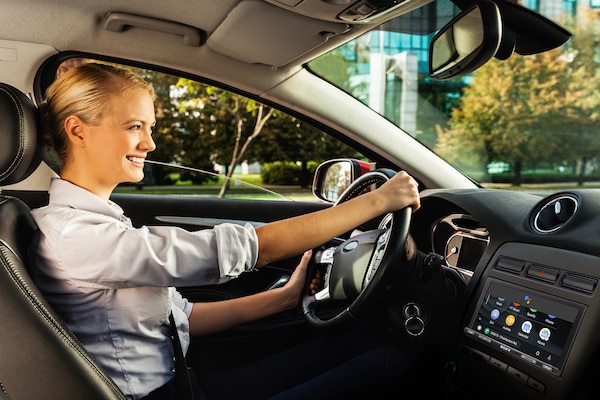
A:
(527, 120)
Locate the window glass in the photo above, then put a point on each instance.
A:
(213, 142)
(529, 122)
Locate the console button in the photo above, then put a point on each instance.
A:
(480, 355)
(516, 375)
(510, 265)
(580, 283)
(543, 273)
(499, 365)
(535, 384)
(475, 353)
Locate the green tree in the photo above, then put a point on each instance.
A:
(583, 92)
(287, 138)
(506, 113)
(531, 110)
(199, 124)
(219, 124)
(241, 108)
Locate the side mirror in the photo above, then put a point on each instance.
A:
(334, 176)
(468, 41)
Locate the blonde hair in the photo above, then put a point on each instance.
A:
(84, 91)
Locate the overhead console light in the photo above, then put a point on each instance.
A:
(365, 9)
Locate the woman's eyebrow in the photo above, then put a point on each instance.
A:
(140, 121)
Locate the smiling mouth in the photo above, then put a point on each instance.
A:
(136, 160)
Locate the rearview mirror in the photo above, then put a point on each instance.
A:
(467, 42)
(334, 176)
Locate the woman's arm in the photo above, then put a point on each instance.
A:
(213, 317)
(286, 238)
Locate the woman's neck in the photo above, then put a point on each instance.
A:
(87, 183)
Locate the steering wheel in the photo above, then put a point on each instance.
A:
(360, 268)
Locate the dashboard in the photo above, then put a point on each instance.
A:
(531, 266)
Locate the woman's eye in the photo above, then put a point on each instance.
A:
(135, 127)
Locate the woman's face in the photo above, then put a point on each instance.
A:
(118, 144)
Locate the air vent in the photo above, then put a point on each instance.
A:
(555, 213)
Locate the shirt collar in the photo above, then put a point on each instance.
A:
(65, 193)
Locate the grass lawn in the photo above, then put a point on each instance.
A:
(242, 186)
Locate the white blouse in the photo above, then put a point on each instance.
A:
(113, 284)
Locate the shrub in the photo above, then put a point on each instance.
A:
(280, 173)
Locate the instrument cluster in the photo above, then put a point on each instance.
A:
(462, 241)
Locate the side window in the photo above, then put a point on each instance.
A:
(213, 142)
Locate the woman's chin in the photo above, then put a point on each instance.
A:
(134, 179)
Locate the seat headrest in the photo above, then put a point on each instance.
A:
(20, 147)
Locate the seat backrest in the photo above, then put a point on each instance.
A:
(40, 358)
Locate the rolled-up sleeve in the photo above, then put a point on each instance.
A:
(237, 249)
(103, 250)
(155, 256)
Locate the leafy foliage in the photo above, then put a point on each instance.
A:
(522, 111)
(200, 125)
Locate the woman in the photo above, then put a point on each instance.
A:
(114, 284)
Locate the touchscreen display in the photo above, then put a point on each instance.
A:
(529, 325)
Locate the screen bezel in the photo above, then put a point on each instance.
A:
(557, 369)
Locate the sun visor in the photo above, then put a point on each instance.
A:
(249, 34)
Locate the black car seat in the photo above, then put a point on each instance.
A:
(39, 357)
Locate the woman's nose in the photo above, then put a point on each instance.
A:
(147, 142)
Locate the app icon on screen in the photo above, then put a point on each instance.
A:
(494, 314)
(526, 326)
(510, 320)
(545, 334)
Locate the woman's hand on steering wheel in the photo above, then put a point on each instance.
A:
(359, 269)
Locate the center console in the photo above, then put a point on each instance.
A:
(532, 325)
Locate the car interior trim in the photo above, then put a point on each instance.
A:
(203, 222)
(120, 22)
(238, 31)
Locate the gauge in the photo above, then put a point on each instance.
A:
(453, 249)
(464, 250)
(462, 241)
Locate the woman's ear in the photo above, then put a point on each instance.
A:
(74, 127)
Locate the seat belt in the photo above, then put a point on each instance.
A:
(183, 383)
